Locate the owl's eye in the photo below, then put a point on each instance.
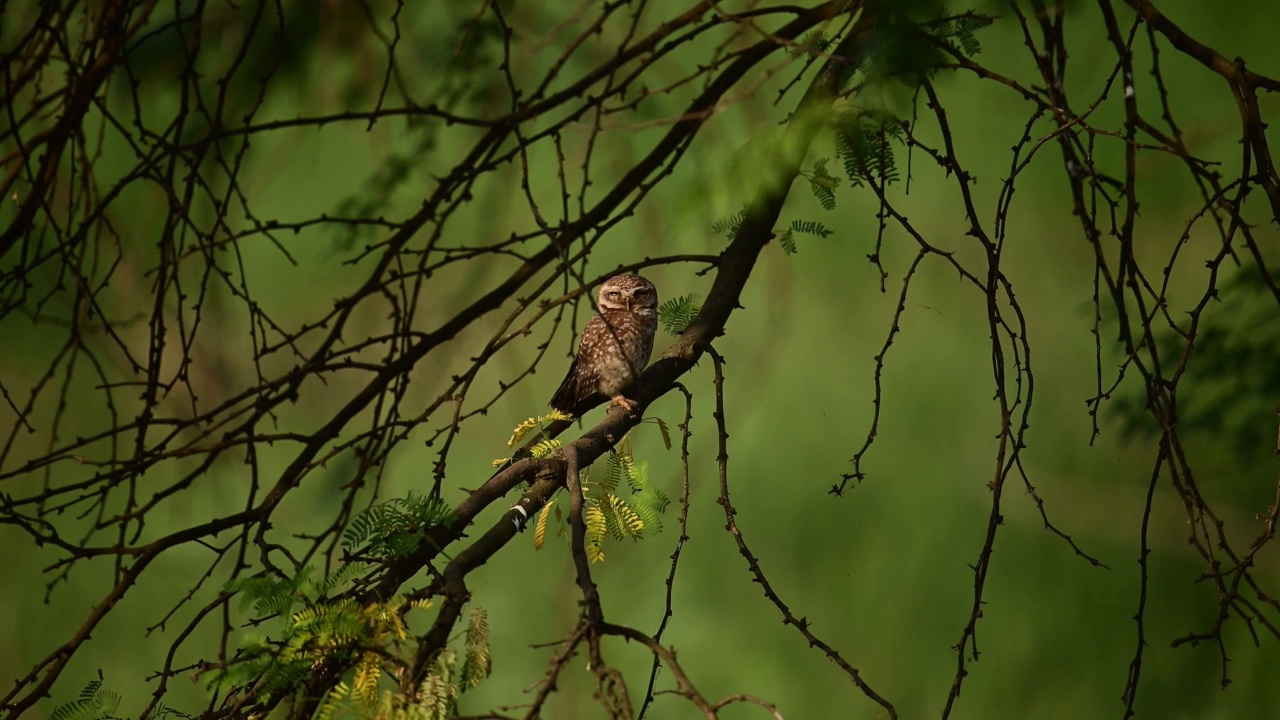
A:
(613, 294)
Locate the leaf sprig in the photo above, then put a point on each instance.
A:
(676, 313)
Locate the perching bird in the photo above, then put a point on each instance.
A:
(615, 344)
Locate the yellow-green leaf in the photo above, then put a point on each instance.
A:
(666, 434)
(555, 415)
(521, 431)
(540, 529)
(546, 448)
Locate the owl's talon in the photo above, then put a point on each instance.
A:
(624, 402)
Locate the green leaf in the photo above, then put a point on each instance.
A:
(650, 505)
(393, 528)
(540, 528)
(960, 31)
(340, 577)
(788, 241)
(636, 474)
(605, 505)
(811, 44)
(90, 689)
(729, 226)
(676, 313)
(478, 663)
(69, 710)
(106, 702)
(826, 197)
(666, 434)
(546, 448)
(810, 227)
(823, 184)
(864, 144)
(612, 473)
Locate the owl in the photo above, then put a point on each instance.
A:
(615, 345)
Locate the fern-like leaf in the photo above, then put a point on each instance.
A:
(74, 709)
(426, 510)
(635, 473)
(439, 693)
(546, 448)
(392, 706)
(864, 145)
(593, 518)
(848, 156)
(607, 505)
(521, 431)
(333, 700)
(812, 44)
(69, 710)
(478, 628)
(729, 226)
(476, 667)
(612, 469)
(393, 528)
(267, 595)
(788, 241)
(540, 528)
(535, 423)
(824, 193)
(91, 689)
(810, 227)
(339, 578)
(823, 184)
(364, 683)
(478, 663)
(105, 703)
(650, 505)
(968, 43)
(666, 434)
(630, 524)
(676, 313)
(163, 712)
(960, 31)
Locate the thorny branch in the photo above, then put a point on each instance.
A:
(731, 525)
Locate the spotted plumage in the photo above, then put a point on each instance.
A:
(615, 346)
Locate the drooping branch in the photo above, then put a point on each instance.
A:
(1244, 84)
(732, 274)
(67, 240)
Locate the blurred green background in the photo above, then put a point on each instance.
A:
(882, 574)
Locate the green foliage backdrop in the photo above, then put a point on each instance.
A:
(848, 332)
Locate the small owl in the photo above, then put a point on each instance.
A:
(615, 345)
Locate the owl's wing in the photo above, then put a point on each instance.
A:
(568, 395)
(581, 379)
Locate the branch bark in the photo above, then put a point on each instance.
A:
(548, 476)
(1243, 89)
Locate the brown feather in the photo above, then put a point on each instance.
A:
(615, 345)
(567, 396)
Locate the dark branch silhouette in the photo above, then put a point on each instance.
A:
(171, 336)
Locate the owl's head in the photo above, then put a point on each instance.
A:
(628, 292)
